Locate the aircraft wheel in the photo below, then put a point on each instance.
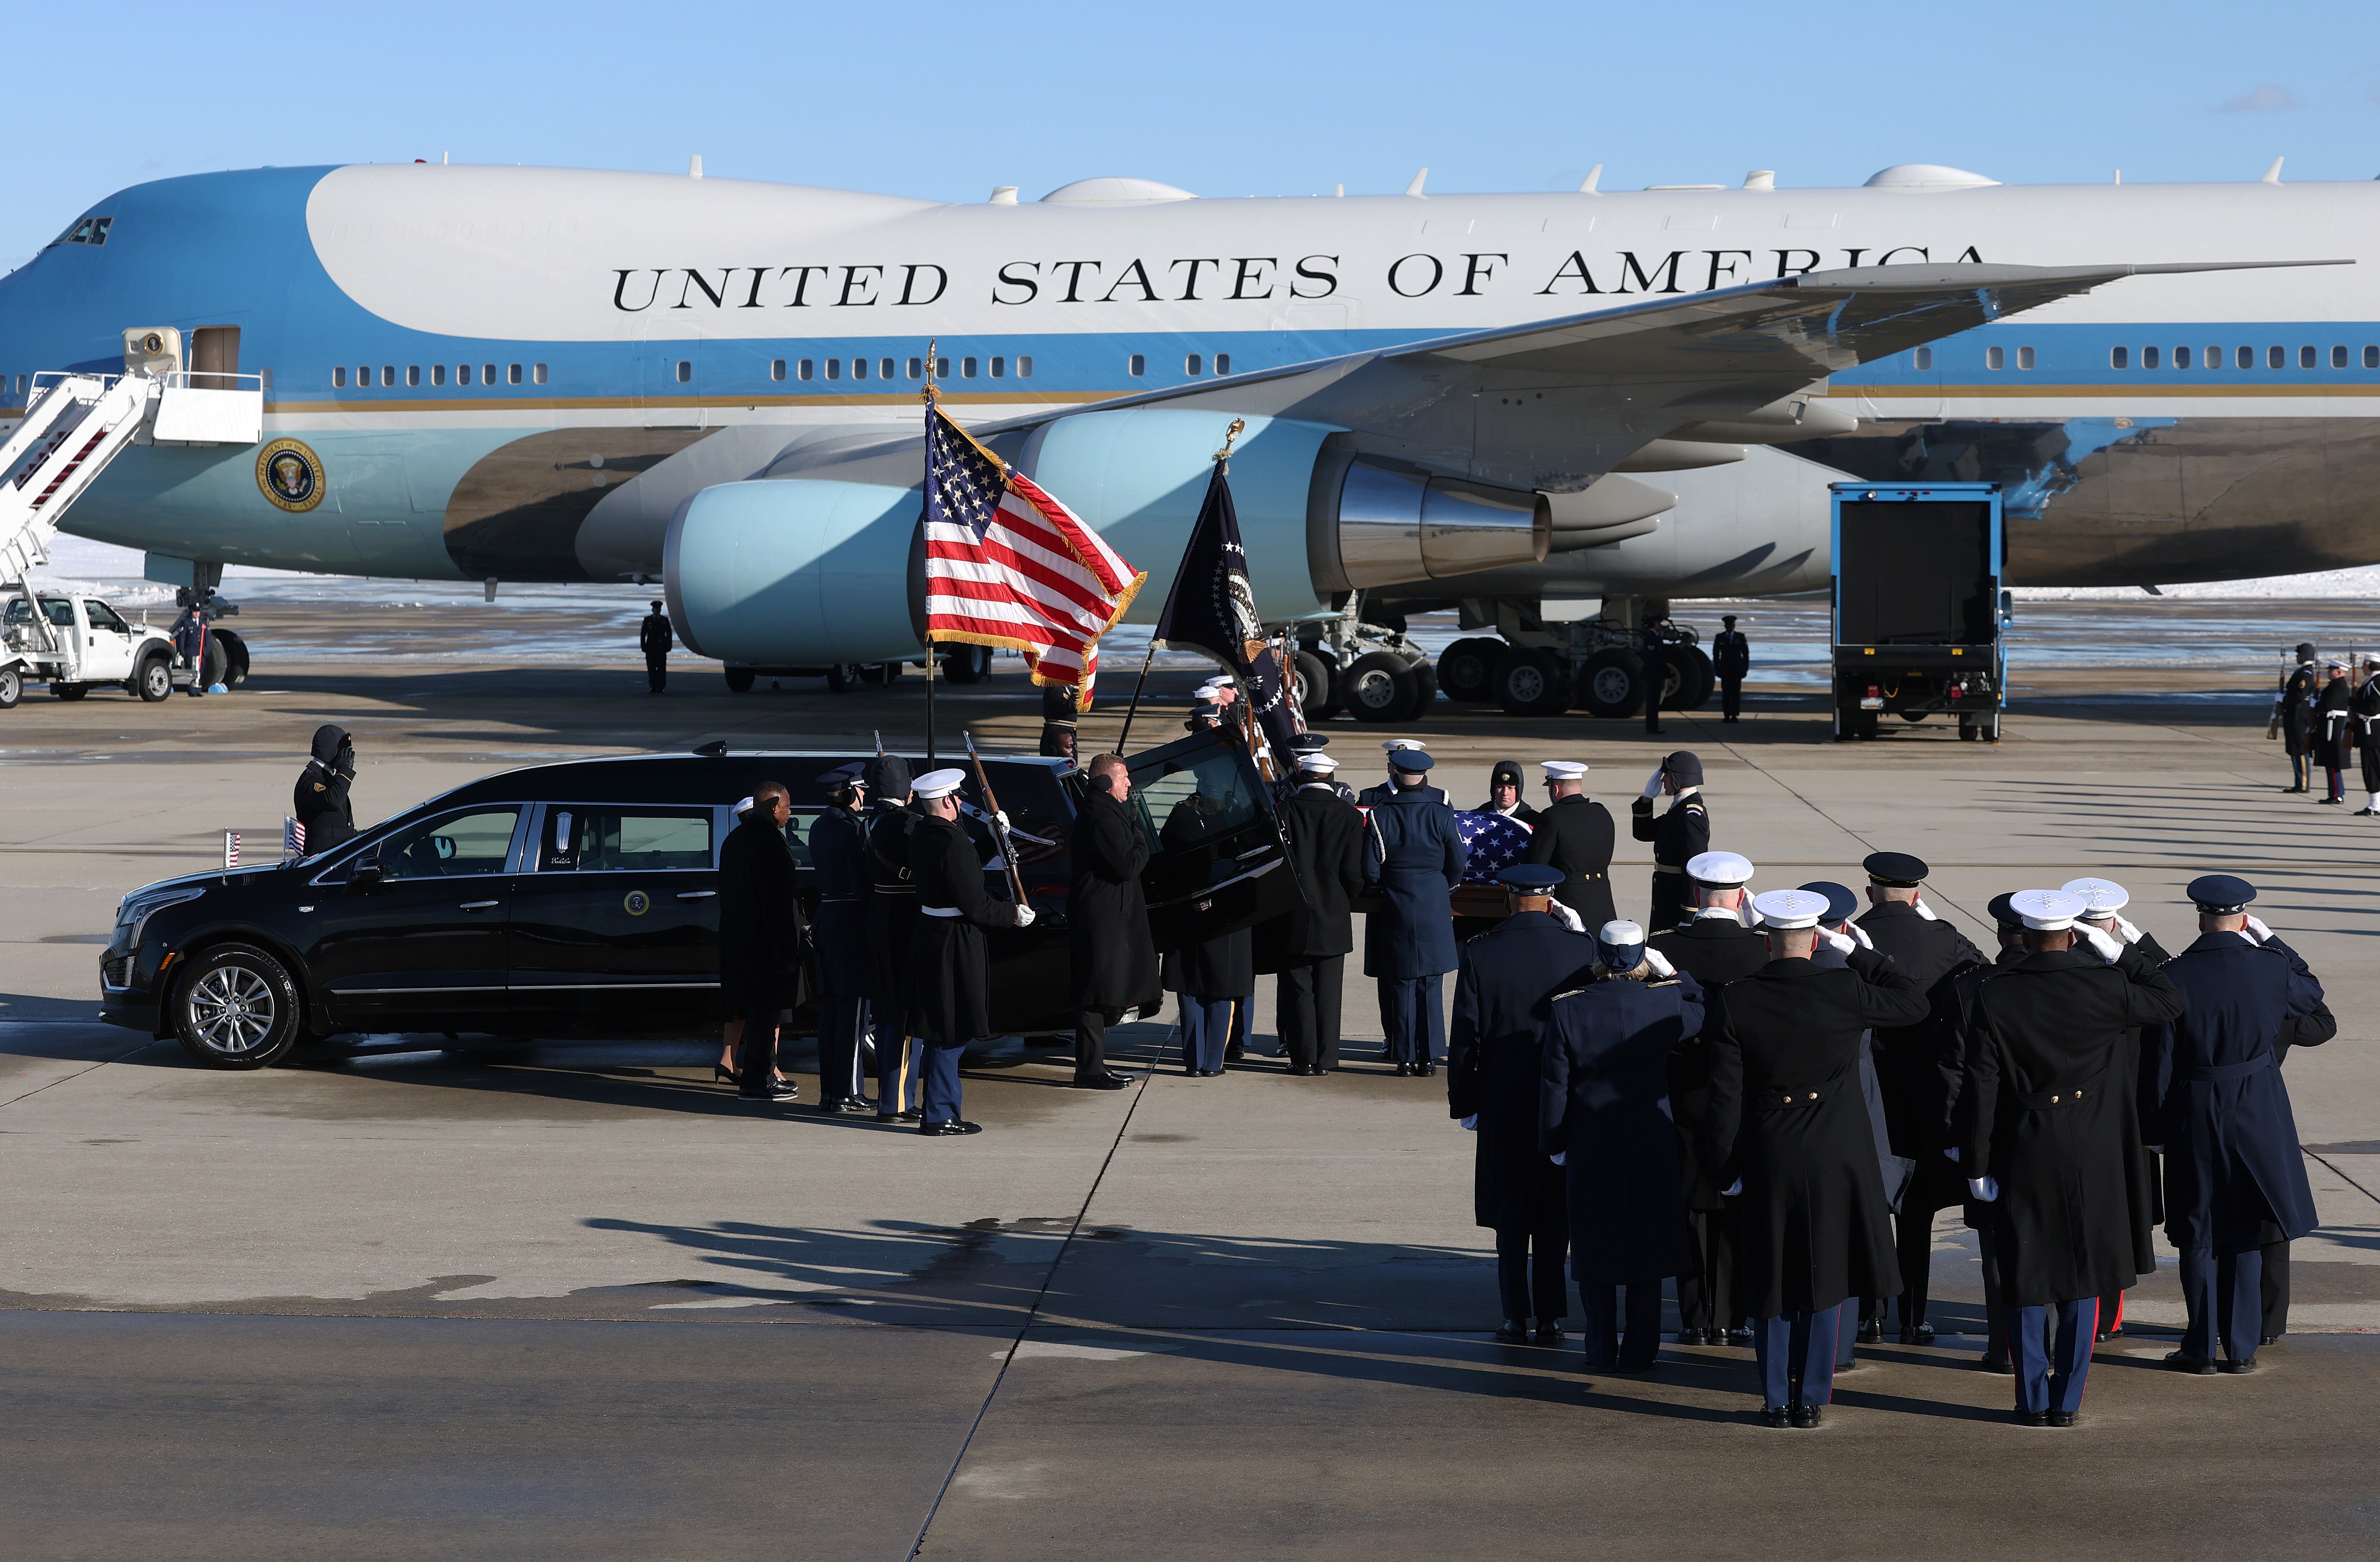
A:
(843, 677)
(235, 658)
(968, 664)
(1611, 684)
(1693, 679)
(739, 680)
(1424, 691)
(1312, 685)
(1467, 668)
(1378, 688)
(1530, 681)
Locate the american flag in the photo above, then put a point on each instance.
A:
(1495, 841)
(292, 838)
(1008, 565)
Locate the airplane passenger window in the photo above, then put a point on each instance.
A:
(2370, 360)
(2277, 358)
(462, 374)
(413, 374)
(388, 374)
(438, 374)
(835, 369)
(916, 368)
(1138, 366)
(2181, 358)
(2338, 357)
(1993, 358)
(2305, 358)
(2213, 358)
(966, 368)
(884, 369)
(2247, 357)
(537, 373)
(802, 370)
(859, 368)
(2024, 358)
(487, 374)
(941, 368)
(776, 369)
(1192, 365)
(685, 373)
(1025, 367)
(2149, 358)
(338, 375)
(1000, 368)
(512, 374)
(2119, 358)
(1223, 363)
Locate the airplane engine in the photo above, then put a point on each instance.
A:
(793, 572)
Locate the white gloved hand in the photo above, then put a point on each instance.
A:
(1566, 916)
(1953, 1152)
(1024, 916)
(1836, 941)
(1985, 1189)
(1660, 963)
(1856, 931)
(1471, 1123)
(1560, 1158)
(1733, 1188)
(1923, 910)
(2127, 932)
(1000, 816)
(1653, 787)
(2257, 932)
(2103, 944)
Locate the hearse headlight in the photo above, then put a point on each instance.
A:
(139, 906)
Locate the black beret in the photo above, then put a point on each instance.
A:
(1895, 870)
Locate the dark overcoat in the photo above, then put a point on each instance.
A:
(1787, 1117)
(2365, 709)
(1107, 916)
(2234, 1176)
(1605, 1107)
(1730, 654)
(1714, 951)
(948, 966)
(1927, 953)
(2331, 740)
(2293, 709)
(761, 934)
(1416, 861)
(1326, 846)
(1954, 1030)
(838, 866)
(1679, 834)
(2046, 1110)
(891, 911)
(1503, 992)
(320, 800)
(1575, 834)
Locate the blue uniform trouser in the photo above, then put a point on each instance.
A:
(2050, 1378)
(896, 1069)
(939, 1071)
(1847, 1323)
(839, 1022)
(2225, 1293)
(1795, 1353)
(1206, 1025)
(1606, 1347)
(1412, 1019)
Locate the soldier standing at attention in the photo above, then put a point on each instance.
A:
(1311, 944)
(891, 917)
(1679, 836)
(837, 842)
(948, 967)
(2292, 715)
(1416, 861)
(1731, 658)
(1657, 679)
(2333, 732)
(1575, 833)
(2365, 709)
(653, 638)
(1059, 713)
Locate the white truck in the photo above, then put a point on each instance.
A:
(80, 642)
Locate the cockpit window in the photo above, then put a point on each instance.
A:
(86, 230)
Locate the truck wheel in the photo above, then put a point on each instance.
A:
(1530, 681)
(68, 691)
(1611, 684)
(1379, 687)
(235, 1007)
(739, 680)
(1466, 669)
(1966, 729)
(235, 658)
(1694, 681)
(154, 681)
(1424, 691)
(12, 687)
(1312, 685)
(1989, 727)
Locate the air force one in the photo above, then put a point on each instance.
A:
(1548, 409)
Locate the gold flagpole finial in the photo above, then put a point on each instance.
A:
(1224, 456)
(933, 345)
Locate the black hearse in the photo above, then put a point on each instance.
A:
(580, 899)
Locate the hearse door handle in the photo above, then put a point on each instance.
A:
(481, 905)
(698, 894)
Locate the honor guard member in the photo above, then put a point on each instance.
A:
(1416, 861)
(1606, 1120)
(653, 638)
(892, 917)
(1655, 655)
(1901, 925)
(1954, 1008)
(1715, 947)
(1504, 795)
(838, 842)
(1204, 717)
(319, 802)
(761, 939)
(1504, 990)
(1680, 835)
(2365, 709)
(1575, 833)
(1215, 978)
(2103, 906)
(949, 970)
(2044, 1111)
(1114, 963)
(1311, 944)
(2234, 1176)
(1388, 788)
(1731, 658)
(2333, 731)
(2292, 720)
(1315, 743)
(1060, 711)
(1790, 1132)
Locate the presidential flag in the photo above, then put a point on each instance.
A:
(1495, 842)
(1213, 608)
(1006, 565)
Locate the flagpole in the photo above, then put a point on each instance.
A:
(932, 346)
(1223, 459)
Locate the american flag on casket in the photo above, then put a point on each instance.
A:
(1495, 842)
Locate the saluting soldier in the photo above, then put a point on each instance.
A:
(1954, 1018)
(1790, 1128)
(1504, 988)
(1311, 944)
(1715, 947)
(1575, 833)
(2292, 719)
(891, 917)
(2365, 709)
(319, 802)
(1928, 949)
(838, 842)
(1732, 660)
(1504, 795)
(2234, 1176)
(1112, 959)
(2103, 901)
(2333, 732)
(1680, 835)
(2046, 1110)
(949, 969)
(1416, 861)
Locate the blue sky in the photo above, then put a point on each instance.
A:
(942, 101)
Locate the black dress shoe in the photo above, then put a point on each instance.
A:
(2332, 802)
(1999, 1364)
(2197, 1366)
(848, 1106)
(1234, 1052)
(1694, 1337)
(1922, 1335)
(1511, 1331)
(1425, 1071)
(1870, 1331)
(1808, 1415)
(1403, 1068)
(913, 1115)
(1742, 1338)
(2240, 1367)
(950, 1128)
(777, 1096)
(2030, 1418)
(2058, 1417)
(2270, 1339)
(1549, 1334)
(1101, 1081)
(1775, 1415)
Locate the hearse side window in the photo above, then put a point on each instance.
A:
(609, 838)
(1207, 796)
(458, 846)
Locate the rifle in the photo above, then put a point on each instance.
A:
(880, 743)
(999, 831)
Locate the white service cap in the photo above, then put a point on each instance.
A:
(1562, 770)
(1719, 869)
(1320, 764)
(1787, 909)
(2046, 910)
(744, 806)
(938, 783)
(2101, 896)
(1395, 743)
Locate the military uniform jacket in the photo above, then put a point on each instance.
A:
(2293, 709)
(319, 802)
(2234, 1176)
(762, 935)
(1326, 846)
(1503, 994)
(1954, 1028)
(2365, 709)
(1373, 796)
(654, 637)
(1714, 951)
(1604, 1103)
(948, 967)
(1574, 834)
(892, 912)
(2046, 1109)
(1912, 1084)
(837, 843)
(1730, 654)
(1114, 963)
(1788, 1116)
(1416, 861)
(1680, 835)
(2333, 736)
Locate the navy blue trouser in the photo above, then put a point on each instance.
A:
(839, 1022)
(1795, 1353)
(2050, 1378)
(1536, 1291)
(1412, 1019)
(1847, 1323)
(1605, 1346)
(2225, 1293)
(1206, 1025)
(939, 1072)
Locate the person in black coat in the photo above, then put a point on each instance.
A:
(1415, 860)
(1389, 790)
(948, 966)
(1504, 788)
(1655, 654)
(1680, 835)
(1954, 1022)
(1575, 833)
(1214, 980)
(1732, 660)
(2365, 710)
(320, 801)
(762, 939)
(2333, 733)
(1790, 1127)
(2234, 1176)
(2103, 903)
(189, 636)
(1605, 1119)
(2049, 1133)
(1310, 944)
(1927, 950)
(889, 918)
(1715, 947)
(1504, 988)
(1114, 963)
(838, 842)
(2292, 720)
(655, 638)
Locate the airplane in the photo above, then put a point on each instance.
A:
(518, 374)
